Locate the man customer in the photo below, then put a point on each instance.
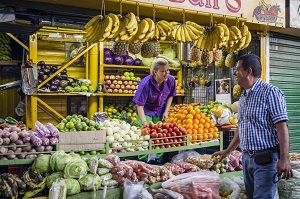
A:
(262, 131)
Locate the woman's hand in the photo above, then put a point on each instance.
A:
(165, 116)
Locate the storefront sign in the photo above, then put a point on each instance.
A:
(295, 13)
(270, 12)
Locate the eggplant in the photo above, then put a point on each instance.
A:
(59, 88)
(48, 84)
(55, 82)
(73, 84)
(41, 73)
(62, 76)
(53, 69)
(64, 71)
(45, 77)
(53, 88)
(47, 70)
(41, 63)
(40, 81)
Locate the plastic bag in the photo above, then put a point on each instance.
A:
(29, 78)
(58, 190)
(239, 180)
(93, 165)
(229, 188)
(201, 184)
(290, 189)
(132, 190)
(182, 156)
(113, 159)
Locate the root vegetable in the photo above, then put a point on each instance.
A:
(40, 148)
(22, 156)
(13, 137)
(6, 141)
(18, 150)
(6, 134)
(26, 139)
(31, 156)
(11, 155)
(3, 158)
(26, 148)
(1, 141)
(48, 148)
(3, 150)
(13, 147)
(14, 128)
(23, 134)
(19, 142)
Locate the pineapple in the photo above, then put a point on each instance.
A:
(218, 54)
(195, 54)
(135, 48)
(230, 60)
(120, 48)
(150, 49)
(207, 57)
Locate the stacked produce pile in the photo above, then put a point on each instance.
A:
(18, 143)
(122, 137)
(197, 125)
(126, 83)
(179, 88)
(75, 122)
(120, 56)
(165, 135)
(5, 54)
(122, 112)
(62, 82)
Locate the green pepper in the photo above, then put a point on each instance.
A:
(11, 120)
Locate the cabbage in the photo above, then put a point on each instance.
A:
(108, 52)
(137, 62)
(90, 182)
(147, 61)
(128, 61)
(108, 60)
(42, 164)
(53, 177)
(76, 168)
(59, 160)
(73, 186)
(170, 53)
(118, 60)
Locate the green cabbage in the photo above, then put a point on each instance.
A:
(76, 168)
(59, 160)
(90, 182)
(147, 61)
(73, 186)
(53, 177)
(42, 164)
(170, 53)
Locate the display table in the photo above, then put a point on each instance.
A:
(117, 193)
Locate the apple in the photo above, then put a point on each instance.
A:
(120, 82)
(127, 78)
(171, 125)
(120, 91)
(126, 74)
(159, 130)
(109, 90)
(122, 77)
(132, 78)
(125, 82)
(179, 133)
(122, 86)
(108, 82)
(133, 87)
(164, 131)
(112, 77)
(106, 77)
(138, 79)
(165, 126)
(135, 83)
(112, 86)
(126, 91)
(115, 90)
(128, 87)
(155, 127)
(130, 91)
(145, 131)
(170, 130)
(131, 74)
(118, 86)
(115, 82)
(153, 135)
(176, 130)
(153, 131)
(173, 134)
(160, 135)
(164, 135)
(130, 82)
(118, 77)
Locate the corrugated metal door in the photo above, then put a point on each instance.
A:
(285, 73)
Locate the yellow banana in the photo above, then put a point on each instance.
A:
(236, 31)
(203, 43)
(165, 25)
(162, 32)
(151, 24)
(248, 40)
(192, 35)
(178, 34)
(242, 42)
(225, 28)
(244, 30)
(199, 41)
(219, 31)
(93, 21)
(131, 20)
(116, 24)
(157, 37)
(174, 30)
(197, 26)
(233, 36)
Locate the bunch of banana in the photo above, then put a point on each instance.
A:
(239, 39)
(220, 35)
(127, 29)
(163, 29)
(146, 31)
(32, 178)
(99, 29)
(40, 187)
(187, 32)
(11, 186)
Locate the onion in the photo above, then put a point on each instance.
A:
(118, 60)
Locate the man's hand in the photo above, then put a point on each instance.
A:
(284, 168)
(222, 154)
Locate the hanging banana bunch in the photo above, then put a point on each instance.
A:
(127, 29)
(163, 30)
(146, 31)
(239, 39)
(187, 32)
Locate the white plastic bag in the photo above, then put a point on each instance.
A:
(132, 190)
(229, 186)
(58, 190)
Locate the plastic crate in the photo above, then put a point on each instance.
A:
(227, 137)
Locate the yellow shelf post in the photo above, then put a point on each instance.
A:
(101, 74)
(93, 76)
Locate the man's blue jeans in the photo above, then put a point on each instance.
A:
(258, 179)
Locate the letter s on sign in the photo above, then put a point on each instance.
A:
(232, 8)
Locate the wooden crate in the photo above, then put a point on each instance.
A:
(82, 141)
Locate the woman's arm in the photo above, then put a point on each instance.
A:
(141, 113)
(168, 105)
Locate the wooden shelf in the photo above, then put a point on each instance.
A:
(16, 162)
(132, 67)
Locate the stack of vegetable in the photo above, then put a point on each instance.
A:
(124, 59)
(18, 143)
(5, 53)
(80, 85)
(75, 122)
(123, 137)
(126, 113)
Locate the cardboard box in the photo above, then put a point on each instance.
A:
(82, 141)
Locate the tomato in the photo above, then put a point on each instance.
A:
(170, 130)
(155, 127)
(179, 133)
(165, 126)
(175, 129)
(145, 131)
(160, 135)
(166, 140)
(152, 131)
(154, 135)
(173, 134)
(159, 130)
(171, 125)
(156, 142)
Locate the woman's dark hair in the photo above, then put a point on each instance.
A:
(251, 61)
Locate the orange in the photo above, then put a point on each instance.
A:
(189, 122)
(205, 131)
(185, 112)
(189, 116)
(201, 126)
(200, 137)
(194, 137)
(197, 110)
(182, 116)
(202, 121)
(189, 131)
(211, 130)
(196, 121)
(195, 131)
(210, 136)
(205, 137)
(216, 129)
(170, 120)
(197, 116)
(200, 131)
(216, 135)
(195, 126)
(206, 125)
(189, 108)
(192, 112)
(189, 126)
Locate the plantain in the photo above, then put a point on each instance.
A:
(248, 40)
(40, 187)
(191, 33)
(92, 21)
(244, 30)
(236, 31)
(21, 184)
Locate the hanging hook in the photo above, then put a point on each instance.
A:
(183, 16)
(237, 22)
(154, 12)
(224, 19)
(138, 11)
(211, 20)
(121, 7)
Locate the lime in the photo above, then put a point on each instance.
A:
(70, 125)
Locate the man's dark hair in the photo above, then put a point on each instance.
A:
(251, 61)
